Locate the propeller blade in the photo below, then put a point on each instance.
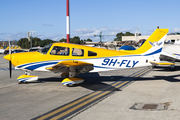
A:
(10, 68)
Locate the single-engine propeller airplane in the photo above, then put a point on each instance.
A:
(71, 59)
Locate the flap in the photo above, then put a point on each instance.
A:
(161, 63)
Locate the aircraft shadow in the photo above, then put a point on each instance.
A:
(171, 78)
(166, 68)
(92, 81)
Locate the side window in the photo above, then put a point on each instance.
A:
(90, 53)
(58, 50)
(77, 52)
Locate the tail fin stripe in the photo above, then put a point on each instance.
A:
(155, 52)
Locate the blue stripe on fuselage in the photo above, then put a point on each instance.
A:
(33, 67)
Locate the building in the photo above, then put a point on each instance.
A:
(169, 38)
(6, 43)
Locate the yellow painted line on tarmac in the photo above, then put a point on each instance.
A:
(101, 93)
(69, 105)
(84, 103)
(137, 75)
(147, 69)
(142, 73)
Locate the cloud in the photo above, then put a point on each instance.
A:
(121, 30)
(3, 33)
(53, 37)
(45, 24)
(86, 33)
(176, 29)
(19, 35)
(15, 36)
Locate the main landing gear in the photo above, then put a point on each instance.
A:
(70, 79)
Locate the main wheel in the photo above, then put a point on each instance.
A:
(172, 67)
(70, 85)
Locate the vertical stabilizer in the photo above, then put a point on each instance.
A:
(154, 44)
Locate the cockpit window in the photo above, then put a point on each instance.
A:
(45, 49)
(90, 53)
(77, 52)
(58, 50)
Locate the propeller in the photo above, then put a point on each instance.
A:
(10, 68)
(9, 58)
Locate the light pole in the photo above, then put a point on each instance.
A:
(29, 37)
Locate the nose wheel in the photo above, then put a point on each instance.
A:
(70, 85)
(21, 82)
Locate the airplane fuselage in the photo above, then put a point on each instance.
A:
(100, 64)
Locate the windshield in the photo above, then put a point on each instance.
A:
(33, 50)
(46, 49)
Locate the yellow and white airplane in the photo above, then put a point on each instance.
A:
(70, 59)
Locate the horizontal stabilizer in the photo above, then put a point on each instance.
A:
(169, 57)
(161, 63)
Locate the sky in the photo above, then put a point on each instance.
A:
(47, 18)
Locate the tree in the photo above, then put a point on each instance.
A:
(76, 40)
(82, 42)
(46, 42)
(36, 42)
(119, 35)
(129, 34)
(24, 43)
(63, 40)
(89, 40)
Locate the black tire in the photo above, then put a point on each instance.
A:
(172, 67)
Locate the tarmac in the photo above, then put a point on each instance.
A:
(154, 89)
(160, 86)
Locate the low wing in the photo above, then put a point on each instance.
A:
(71, 66)
(169, 57)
